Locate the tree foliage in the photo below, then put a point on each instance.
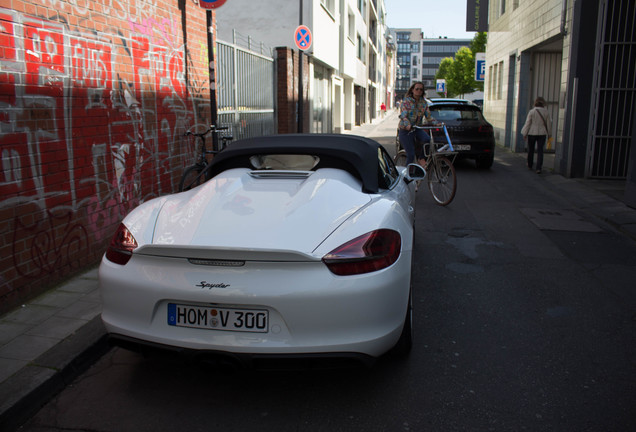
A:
(459, 72)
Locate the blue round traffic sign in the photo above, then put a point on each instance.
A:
(302, 37)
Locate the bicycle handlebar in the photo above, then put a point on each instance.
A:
(442, 126)
(212, 128)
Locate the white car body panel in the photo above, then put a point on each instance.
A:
(269, 236)
(229, 202)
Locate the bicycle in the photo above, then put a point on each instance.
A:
(441, 177)
(193, 176)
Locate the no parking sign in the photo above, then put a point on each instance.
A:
(211, 4)
(302, 38)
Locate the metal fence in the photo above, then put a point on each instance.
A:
(245, 91)
(611, 129)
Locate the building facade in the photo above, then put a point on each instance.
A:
(408, 46)
(433, 52)
(578, 55)
(419, 59)
(347, 58)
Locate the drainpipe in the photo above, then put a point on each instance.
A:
(564, 16)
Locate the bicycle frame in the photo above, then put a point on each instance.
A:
(441, 177)
(193, 175)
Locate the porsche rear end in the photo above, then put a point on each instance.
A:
(230, 268)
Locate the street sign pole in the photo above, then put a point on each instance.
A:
(300, 76)
(208, 5)
(212, 71)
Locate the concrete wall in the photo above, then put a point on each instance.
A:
(95, 97)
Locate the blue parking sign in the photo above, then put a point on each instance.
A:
(480, 67)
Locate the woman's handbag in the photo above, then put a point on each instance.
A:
(550, 139)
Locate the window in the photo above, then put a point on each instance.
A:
(361, 49)
(498, 8)
(432, 60)
(351, 30)
(495, 80)
(453, 113)
(329, 5)
(361, 7)
(500, 81)
(388, 174)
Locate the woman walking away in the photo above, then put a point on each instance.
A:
(413, 110)
(538, 125)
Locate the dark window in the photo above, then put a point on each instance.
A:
(387, 174)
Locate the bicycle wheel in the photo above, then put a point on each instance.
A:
(442, 180)
(191, 178)
(400, 158)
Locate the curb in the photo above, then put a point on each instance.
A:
(32, 387)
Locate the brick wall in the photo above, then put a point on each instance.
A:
(95, 97)
(287, 90)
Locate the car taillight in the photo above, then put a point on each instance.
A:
(485, 129)
(368, 253)
(121, 246)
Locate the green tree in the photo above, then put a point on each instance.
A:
(459, 72)
(478, 43)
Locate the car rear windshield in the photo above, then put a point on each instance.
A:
(455, 113)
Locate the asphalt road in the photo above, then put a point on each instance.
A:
(525, 319)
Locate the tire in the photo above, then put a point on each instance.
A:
(484, 162)
(405, 343)
(400, 158)
(442, 181)
(191, 178)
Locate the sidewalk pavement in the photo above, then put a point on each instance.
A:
(47, 342)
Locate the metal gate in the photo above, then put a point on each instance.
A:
(245, 91)
(614, 92)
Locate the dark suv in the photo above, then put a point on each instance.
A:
(472, 136)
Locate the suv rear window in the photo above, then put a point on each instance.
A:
(455, 113)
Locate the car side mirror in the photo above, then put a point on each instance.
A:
(415, 172)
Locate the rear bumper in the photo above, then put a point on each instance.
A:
(243, 360)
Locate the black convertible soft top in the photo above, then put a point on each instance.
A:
(354, 154)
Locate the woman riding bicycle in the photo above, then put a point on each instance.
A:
(413, 110)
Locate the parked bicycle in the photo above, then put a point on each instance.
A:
(438, 163)
(195, 174)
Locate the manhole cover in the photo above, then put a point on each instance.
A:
(559, 220)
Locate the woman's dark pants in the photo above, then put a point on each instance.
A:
(539, 140)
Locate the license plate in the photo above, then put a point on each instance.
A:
(218, 318)
(462, 147)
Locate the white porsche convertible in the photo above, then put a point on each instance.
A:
(297, 245)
